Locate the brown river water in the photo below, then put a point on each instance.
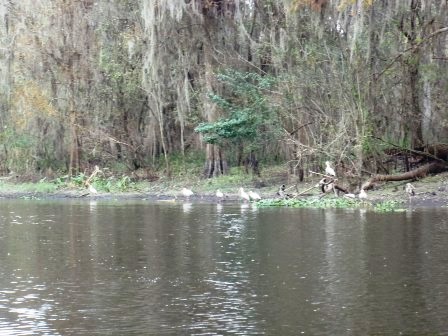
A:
(139, 268)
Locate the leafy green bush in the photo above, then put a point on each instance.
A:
(247, 113)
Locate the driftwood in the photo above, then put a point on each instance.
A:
(429, 168)
(306, 190)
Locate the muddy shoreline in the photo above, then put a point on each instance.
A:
(428, 199)
(431, 191)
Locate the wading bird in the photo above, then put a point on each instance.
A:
(219, 195)
(187, 192)
(244, 195)
(92, 190)
(328, 170)
(362, 195)
(410, 189)
(254, 196)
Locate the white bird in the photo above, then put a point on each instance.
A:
(92, 190)
(219, 195)
(328, 170)
(244, 195)
(186, 192)
(362, 194)
(254, 196)
(410, 189)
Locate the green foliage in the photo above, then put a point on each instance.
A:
(344, 203)
(310, 203)
(235, 177)
(188, 165)
(79, 179)
(368, 143)
(40, 187)
(101, 184)
(114, 184)
(24, 151)
(61, 181)
(19, 148)
(387, 206)
(113, 76)
(248, 115)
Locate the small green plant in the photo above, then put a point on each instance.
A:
(112, 184)
(102, 184)
(386, 206)
(78, 180)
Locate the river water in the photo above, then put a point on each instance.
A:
(139, 268)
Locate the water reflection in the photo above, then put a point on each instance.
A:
(219, 208)
(244, 207)
(186, 207)
(133, 268)
(93, 205)
(29, 313)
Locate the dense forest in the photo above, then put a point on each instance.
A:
(132, 84)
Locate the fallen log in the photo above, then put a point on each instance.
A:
(434, 167)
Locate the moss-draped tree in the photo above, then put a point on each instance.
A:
(124, 83)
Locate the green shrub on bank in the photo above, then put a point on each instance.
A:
(101, 184)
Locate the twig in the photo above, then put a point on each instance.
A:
(300, 127)
(303, 192)
(411, 150)
(290, 187)
(96, 171)
(417, 45)
(328, 176)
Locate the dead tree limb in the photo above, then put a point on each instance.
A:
(423, 171)
(325, 175)
(412, 48)
(306, 190)
(94, 173)
(434, 152)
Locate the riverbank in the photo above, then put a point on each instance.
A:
(430, 192)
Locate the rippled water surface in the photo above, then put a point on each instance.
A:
(138, 268)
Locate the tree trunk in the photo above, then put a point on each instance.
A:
(414, 116)
(215, 164)
(416, 111)
(74, 147)
(252, 162)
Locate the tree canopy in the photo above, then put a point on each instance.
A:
(128, 83)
